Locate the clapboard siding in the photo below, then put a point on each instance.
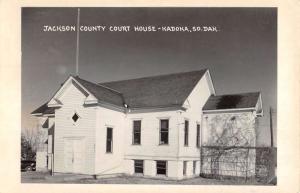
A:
(109, 163)
(150, 132)
(193, 114)
(65, 127)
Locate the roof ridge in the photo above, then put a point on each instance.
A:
(100, 85)
(155, 76)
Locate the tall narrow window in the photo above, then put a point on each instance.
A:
(161, 167)
(198, 136)
(138, 166)
(164, 131)
(136, 132)
(186, 132)
(184, 167)
(109, 140)
(194, 167)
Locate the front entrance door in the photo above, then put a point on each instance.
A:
(74, 159)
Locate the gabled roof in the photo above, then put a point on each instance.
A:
(150, 92)
(157, 91)
(44, 109)
(233, 101)
(102, 93)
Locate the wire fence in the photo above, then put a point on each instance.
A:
(245, 163)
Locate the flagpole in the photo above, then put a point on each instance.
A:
(77, 42)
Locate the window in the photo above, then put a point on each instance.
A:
(136, 132)
(184, 167)
(161, 167)
(198, 136)
(75, 117)
(194, 167)
(109, 139)
(186, 132)
(138, 166)
(164, 131)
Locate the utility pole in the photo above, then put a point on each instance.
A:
(271, 127)
(77, 42)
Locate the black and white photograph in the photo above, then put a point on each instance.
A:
(149, 95)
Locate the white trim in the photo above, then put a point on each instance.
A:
(198, 138)
(261, 106)
(112, 139)
(49, 115)
(230, 110)
(184, 132)
(43, 115)
(108, 125)
(136, 119)
(82, 86)
(208, 81)
(54, 102)
(186, 103)
(90, 99)
(132, 133)
(211, 82)
(90, 102)
(163, 175)
(154, 109)
(163, 117)
(159, 122)
(157, 157)
(37, 114)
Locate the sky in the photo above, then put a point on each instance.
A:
(241, 56)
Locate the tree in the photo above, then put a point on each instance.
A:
(31, 139)
(27, 152)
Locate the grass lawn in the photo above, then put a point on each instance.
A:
(43, 177)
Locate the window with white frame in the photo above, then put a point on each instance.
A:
(109, 140)
(136, 132)
(164, 132)
(184, 167)
(194, 167)
(186, 132)
(138, 166)
(198, 136)
(161, 168)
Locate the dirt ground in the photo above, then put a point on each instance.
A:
(44, 177)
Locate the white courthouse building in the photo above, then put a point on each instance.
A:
(151, 127)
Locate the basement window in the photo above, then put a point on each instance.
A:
(184, 167)
(194, 167)
(75, 117)
(138, 166)
(161, 168)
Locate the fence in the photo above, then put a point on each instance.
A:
(243, 163)
(266, 164)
